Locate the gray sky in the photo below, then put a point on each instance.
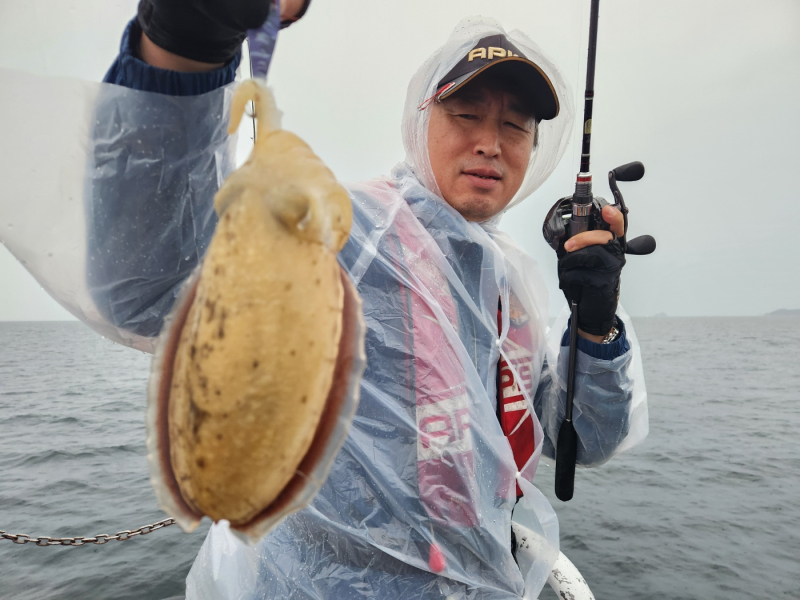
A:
(704, 92)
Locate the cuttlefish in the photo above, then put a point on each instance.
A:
(256, 374)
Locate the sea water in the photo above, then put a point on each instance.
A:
(708, 507)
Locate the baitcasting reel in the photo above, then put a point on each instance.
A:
(583, 212)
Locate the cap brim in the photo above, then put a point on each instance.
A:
(535, 86)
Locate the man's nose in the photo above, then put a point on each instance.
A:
(487, 140)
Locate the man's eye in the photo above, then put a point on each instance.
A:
(468, 116)
(517, 127)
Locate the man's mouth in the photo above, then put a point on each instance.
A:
(483, 178)
(488, 174)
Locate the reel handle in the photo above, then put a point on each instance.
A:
(640, 246)
(633, 171)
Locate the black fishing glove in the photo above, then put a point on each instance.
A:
(208, 31)
(590, 277)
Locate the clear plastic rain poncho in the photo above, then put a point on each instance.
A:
(122, 183)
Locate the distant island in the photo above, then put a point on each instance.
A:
(784, 312)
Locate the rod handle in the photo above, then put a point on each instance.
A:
(566, 455)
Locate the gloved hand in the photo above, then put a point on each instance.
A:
(208, 31)
(590, 276)
(589, 267)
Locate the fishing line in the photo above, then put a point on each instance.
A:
(251, 106)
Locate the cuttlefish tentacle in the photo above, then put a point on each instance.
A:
(309, 211)
(263, 342)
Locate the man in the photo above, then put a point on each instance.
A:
(461, 395)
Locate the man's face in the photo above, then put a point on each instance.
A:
(479, 142)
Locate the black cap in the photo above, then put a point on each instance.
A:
(498, 53)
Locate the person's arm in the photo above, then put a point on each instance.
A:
(190, 78)
(589, 268)
(158, 56)
(184, 48)
(602, 402)
(158, 160)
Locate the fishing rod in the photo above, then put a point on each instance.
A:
(573, 215)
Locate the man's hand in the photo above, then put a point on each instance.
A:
(589, 274)
(201, 35)
(613, 217)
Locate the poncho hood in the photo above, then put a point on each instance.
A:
(553, 135)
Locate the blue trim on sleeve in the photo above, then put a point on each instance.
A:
(601, 351)
(128, 70)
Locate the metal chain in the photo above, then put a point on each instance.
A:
(21, 538)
